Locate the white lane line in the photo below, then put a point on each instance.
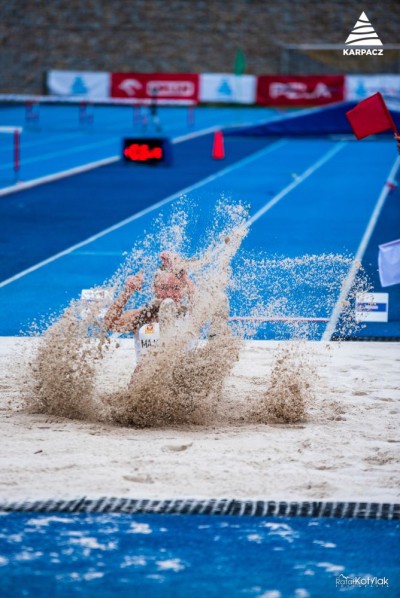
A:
(332, 152)
(195, 134)
(209, 179)
(276, 319)
(211, 129)
(347, 283)
(59, 175)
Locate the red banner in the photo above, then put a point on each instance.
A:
(162, 87)
(310, 90)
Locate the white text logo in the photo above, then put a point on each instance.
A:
(130, 86)
(363, 34)
(362, 582)
(296, 90)
(183, 89)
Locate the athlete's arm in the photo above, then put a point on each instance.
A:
(118, 320)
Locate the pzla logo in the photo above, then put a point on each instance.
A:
(363, 34)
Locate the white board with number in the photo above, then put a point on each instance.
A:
(372, 307)
(146, 337)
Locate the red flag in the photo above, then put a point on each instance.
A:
(370, 116)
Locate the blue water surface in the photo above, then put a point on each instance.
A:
(183, 555)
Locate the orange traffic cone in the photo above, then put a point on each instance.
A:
(218, 151)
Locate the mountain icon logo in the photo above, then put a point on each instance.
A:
(363, 34)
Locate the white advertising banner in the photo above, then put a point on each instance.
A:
(359, 87)
(372, 307)
(84, 84)
(228, 88)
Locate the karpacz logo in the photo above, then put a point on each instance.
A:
(363, 52)
(363, 34)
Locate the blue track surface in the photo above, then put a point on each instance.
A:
(387, 229)
(193, 555)
(324, 194)
(58, 141)
(48, 219)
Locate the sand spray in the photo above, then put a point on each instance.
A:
(299, 289)
(181, 379)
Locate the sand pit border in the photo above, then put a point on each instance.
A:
(261, 508)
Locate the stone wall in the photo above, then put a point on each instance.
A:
(182, 36)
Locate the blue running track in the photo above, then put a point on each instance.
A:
(307, 196)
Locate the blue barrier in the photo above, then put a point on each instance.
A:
(329, 120)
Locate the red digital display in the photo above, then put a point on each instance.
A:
(146, 151)
(141, 152)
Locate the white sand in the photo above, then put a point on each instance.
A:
(347, 450)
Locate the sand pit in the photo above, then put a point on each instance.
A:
(347, 449)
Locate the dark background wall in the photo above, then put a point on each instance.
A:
(183, 36)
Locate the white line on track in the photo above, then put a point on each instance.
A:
(332, 152)
(59, 175)
(195, 134)
(276, 319)
(346, 286)
(209, 179)
(212, 129)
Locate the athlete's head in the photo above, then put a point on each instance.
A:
(171, 261)
(170, 278)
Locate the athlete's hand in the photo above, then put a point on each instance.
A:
(134, 283)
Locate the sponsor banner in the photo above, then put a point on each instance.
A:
(227, 88)
(372, 307)
(94, 86)
(310, 90)
(359, 87)
(162, 86)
